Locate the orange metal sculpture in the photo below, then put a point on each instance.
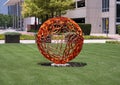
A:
(60, 39)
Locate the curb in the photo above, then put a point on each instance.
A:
(85, 41)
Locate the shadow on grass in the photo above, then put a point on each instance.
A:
(71, 64)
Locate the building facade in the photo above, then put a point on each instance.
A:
(19, 23)
(103, 15)
(14, 9)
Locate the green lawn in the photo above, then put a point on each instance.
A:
(19, 66)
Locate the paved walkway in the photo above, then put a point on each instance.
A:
(85, 41)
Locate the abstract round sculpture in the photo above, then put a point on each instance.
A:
(60, 39)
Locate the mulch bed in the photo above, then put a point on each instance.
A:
(71, 64)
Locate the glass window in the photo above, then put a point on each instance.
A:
(79, 20)
(105, 5)
(81, 3)
(118, 12)
(105, 25)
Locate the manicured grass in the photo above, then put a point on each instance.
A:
(19, 66)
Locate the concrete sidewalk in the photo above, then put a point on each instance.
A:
(85, 41)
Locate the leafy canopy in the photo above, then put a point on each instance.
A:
(5, 20)
(48, 8)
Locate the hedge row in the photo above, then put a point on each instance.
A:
(86, 28)
(113, 42)
(118, 29)
(22, 37)
(30, 37)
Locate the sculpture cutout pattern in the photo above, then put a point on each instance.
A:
(60, 39)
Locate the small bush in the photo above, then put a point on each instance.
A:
(27, 37)
(12, 33)
(31, 37)
(86, 28)
(33, 30)
(118, 29)
(95, 37)
(2, 37)
(58, 37)
(113, 42)
(22, 37)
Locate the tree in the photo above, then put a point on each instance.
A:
(5, 21)
(45, 9)
(30, 9)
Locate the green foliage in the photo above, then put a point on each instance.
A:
(22, 37)
(31, 37)
(86, 28)
(45, 9)
(5, 20)
(95, 37)
(118, 29)
(27, 37)
(31, 9)
(113, 42)
(12, 33)
(32, 30)
(58, 37)
(2, 37)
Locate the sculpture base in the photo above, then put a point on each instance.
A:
(60, 65)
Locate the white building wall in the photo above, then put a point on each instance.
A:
(94, 15)
(28, 21)
(111, 14)
(112, 17)
(76, 13)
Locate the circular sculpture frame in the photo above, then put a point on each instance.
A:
(60, 39)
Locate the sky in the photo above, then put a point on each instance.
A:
(3, 8)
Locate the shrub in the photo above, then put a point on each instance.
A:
(113, 42)
(27, 37)
(2, 37)
(12, 33)
(118, 29)
(86, 28)
(22, 37)
(33, 30)
(95, 37)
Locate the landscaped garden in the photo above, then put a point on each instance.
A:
(20, 64)
(32, 37)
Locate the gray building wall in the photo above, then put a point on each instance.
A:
(93, 15)
(112, 17)
(92, 12)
